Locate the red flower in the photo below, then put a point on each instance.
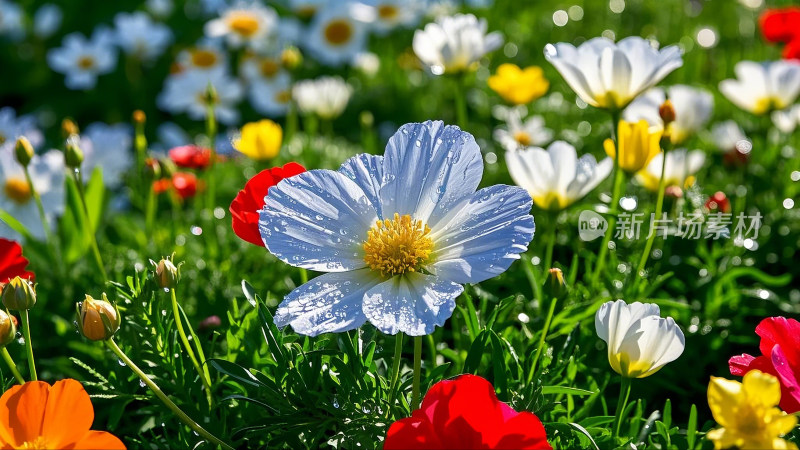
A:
(191, 156)
(718, 203)
(12, 263)
(780, 25)
(465, 413)
(244, 208)
(780, 349)
(792, 49)
(184, 183)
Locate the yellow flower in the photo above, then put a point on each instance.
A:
(519, 86)
(747, 413)
(637, 145)
(260, 140)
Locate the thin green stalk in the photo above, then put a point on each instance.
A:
(431, 350)
(179, 325)
(89, 230)
(622, 403)
(150, 211)
(652, 237)
(545, 330)
(619, 181)
(551, 242)
(26, 332)
(163, 397)
(292, 120)
(40, 207)
(398, 354)
(12, 366)
(415, 400)
(459, 95)
(211, 133)
(303, 276)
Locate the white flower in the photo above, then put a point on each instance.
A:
(763, 87)
(160, 8)
(82, 60)
(47, 174)
(398, 234)
(11, 20)
(454, 43)
(555, 177)
(391, 14)
(519, 134)
(693, 107)
(786, 120)
(728, 136)
(12, 127)
(335, 36)
(610, 75)
(47, 20)
(271, 98)
(307, 8)
(679, 171)
(138, 35)
(108, 147)
(640, 342)
(367, 63)
(187, 92)
(325, 96)
(262, 68)
(205, 56)
(245, 24)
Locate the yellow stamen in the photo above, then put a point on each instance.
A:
(283, 96)
(338, 32)
(86, 62)
(18, 190)
(523, 138)
(269, 67)
(387, 12)
(204, 58)
(244, 24)
(394, 247)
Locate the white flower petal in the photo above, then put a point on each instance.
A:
(367, 172)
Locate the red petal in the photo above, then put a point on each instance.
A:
(740, 365)
(788, 375)
(780, 331)
(412, 433)
(780, 25)
(12, 263)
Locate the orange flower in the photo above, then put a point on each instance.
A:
(37, 415)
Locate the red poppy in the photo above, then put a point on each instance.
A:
(244, 208)
(184, 183)
(780, 350)
(792, 49)
(465, 413)
(780, 25)
(191, 156)
(718, 203)
(12, 263)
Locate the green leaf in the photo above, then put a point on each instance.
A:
(15, 225)
(95, 196)
(550, 390)
(73, 224)
(235, 371)
(691, 429)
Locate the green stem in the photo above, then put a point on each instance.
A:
(150, 211)
(398, 353)
(545, 330)
(163, 397)
(619, 178)
(303, 276)
(622, 402)
(652, 237)
(98, 259)
(12, 366)
(551, 242)
(40, 207)
(26, 332)
(211, 133)
(460, 102)
(415, 400)
(179, 325)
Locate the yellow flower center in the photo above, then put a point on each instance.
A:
(2, 139)
(37, 443)
(397, 246)
(522, 138)
(18, 190)
(86, 62)
(204, 58)
(269, 67)
(338, 32)
(283, 96)
(243, 24)
(388, 12)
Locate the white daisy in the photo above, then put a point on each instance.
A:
(693, 107)
(334, 36)
(763, 87)
(397, 234)
(82, 60)
(138, 35)
(47, 20)
(679, 170)
(108, 147)
(454, 43)
(186, 92)
(610, 75)
(391, 14)
(325, 96)
(555, 177)
(271, 98)
(728, 136)
(245, 23)
(205, 56)
(261, 68)
(518, 134)
(12, 127)
(787, 120)
(367, 63)
(47, 174)
(11, 17)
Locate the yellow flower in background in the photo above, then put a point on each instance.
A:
(747, 413)
(260, 140)
(519, 86)
(637, 145)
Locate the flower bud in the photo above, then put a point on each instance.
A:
(69, 128)
(98, 320)
(167, 275)
(73, 155)
(291, 58)
(667, 112)
(19, 294)
(152, 169)
(139, 117)
(8, 328)
(555, 283)
(24, 151)
(211, 95)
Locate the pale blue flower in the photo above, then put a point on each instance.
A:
(436, 233)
